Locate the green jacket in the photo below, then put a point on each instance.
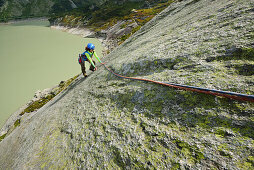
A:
(89, 56)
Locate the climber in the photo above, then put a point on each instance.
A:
(87, 56)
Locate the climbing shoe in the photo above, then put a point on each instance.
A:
(85, 75)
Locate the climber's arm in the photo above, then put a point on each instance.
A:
(96, 57)
(90, 60)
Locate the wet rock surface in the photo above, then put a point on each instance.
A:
(106, 122)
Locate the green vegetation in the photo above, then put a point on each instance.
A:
(37, 104)
(140, 16)
(2, 137)
(245, 165)
(158, 145)
(112, 10)
(15, 10)
(41, 102)
(1, 2)
(4, 16)
(199, 116)
(241, 54)
(96, 16)
(62, 6)
(190, 152)
(17, 123)
(125, 37)
(245, 69)
(236, 54)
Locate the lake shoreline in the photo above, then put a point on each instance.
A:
(88, 33)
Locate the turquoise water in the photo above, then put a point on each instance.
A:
(34, 57)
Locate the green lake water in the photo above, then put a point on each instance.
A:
(34, 57)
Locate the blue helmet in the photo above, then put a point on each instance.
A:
(90, 46)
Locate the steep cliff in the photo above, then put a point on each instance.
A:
(106, 122)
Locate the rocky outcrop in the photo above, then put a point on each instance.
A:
(84, 32)
(112, 35)
(108, 27)
(106, 122)
(109, 37)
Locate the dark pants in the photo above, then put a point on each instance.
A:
(83, 67)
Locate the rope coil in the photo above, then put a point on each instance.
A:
(227, 94)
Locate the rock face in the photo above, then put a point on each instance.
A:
(106, 122)
(109, 37)
(114, 33)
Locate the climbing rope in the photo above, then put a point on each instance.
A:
(227, 94)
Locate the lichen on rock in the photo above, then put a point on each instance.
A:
(106, 122)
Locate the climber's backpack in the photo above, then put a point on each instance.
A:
(80, 58)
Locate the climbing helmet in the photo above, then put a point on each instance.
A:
(90, 46)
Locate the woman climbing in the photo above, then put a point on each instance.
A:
(87, 56)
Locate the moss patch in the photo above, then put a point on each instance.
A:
(235, 54)
(41, 102)
(37, 104)
(245, 69)
(2, 137)
(190, 152)
(17, 123)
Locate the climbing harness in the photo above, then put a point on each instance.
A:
(227, 94)
(83, 57)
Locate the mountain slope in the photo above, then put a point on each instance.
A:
(18, 9)
(107, 122)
